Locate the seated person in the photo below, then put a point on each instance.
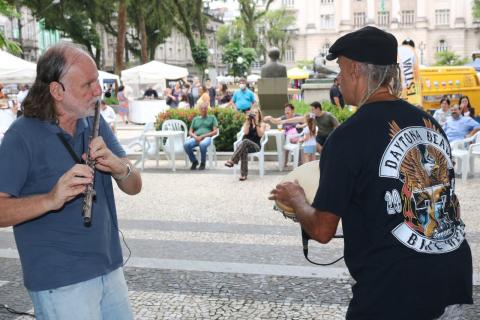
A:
(253, 130)
(150, 93)
(459, 127)
(465, 107)
(202, 129)
(243, 99)
(308, 139)
(108, 114)
(324, 120)
(442, 114)
(290, 128)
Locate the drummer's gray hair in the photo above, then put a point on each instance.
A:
(378, 76)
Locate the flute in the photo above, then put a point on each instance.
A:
(90, 191)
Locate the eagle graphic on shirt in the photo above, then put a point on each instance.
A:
(419, 158)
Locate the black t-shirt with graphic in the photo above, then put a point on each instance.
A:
(387, 172)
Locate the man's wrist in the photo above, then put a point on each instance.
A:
(129, 171)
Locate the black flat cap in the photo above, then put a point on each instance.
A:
(369, 45)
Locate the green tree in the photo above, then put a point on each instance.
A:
(75, 19)
(153, 25)
(449, 58)
(476, 9)
(9, 11)
(232, 52)
(276, 25)
(250, 16)
(189, 18)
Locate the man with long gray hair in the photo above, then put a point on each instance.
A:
(387, 173)
(70, 271)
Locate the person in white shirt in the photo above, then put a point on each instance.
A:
(442, 114)
(108, 114)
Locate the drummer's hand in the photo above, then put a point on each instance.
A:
(289, 194)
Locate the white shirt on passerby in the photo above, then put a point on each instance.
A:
(109, 115)
(441, 116)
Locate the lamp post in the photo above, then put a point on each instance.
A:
(239, 63)
(20, 25)
(421, 47)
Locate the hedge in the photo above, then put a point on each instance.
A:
(230, 122)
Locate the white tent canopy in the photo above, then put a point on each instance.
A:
(16, 70)
(153, 73)
(102, 75)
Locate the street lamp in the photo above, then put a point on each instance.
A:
(422, 47)
(239, 62)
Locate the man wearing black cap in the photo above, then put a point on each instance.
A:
(387, 173)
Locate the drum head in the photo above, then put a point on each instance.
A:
(308, 176)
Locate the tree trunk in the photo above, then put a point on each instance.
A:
(122, 29)
(143, 36)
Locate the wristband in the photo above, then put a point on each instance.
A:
(129, 172)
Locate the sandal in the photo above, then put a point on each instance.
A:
(229, 164)
(242, 178)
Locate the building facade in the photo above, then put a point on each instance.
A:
(29, 33)
(434, 25)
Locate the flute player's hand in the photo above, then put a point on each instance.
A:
(105, 159)
(71, 184)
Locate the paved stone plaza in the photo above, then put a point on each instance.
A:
(206, 246)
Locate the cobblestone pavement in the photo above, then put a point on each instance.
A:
(206, 246)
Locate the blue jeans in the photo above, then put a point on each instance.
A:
(190, 143)
(101, 298)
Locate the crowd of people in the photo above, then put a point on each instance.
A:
(417, 234)
(458, 120)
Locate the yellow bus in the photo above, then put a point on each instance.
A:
(437, 82)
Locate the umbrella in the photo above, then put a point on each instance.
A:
(297, 73)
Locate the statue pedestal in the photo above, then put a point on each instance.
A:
(273, 94)
(316, 90)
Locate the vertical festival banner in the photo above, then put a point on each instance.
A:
(411, 86)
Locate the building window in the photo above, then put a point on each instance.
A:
(289, 55)
(442, 46)
(442, 17)
(325, 48)
(359, 19)
(408, 18)
(327, 1)
(2, 29)
(383, 18)
(327, 21)
(288, 2)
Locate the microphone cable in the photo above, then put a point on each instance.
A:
(305, 238)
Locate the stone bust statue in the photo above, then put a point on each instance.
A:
(274, 69)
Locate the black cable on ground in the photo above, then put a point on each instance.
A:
(11, 310)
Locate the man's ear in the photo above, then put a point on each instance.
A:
(56, 90)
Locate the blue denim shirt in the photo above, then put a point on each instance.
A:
(56, 249)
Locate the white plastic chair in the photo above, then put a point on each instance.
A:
(293, 148)
(474, 151)
(260, 155)
(175, 125)
(211, 151)
(148, 149)
(461, 155)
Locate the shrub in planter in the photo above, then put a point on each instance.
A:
(229, 122)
